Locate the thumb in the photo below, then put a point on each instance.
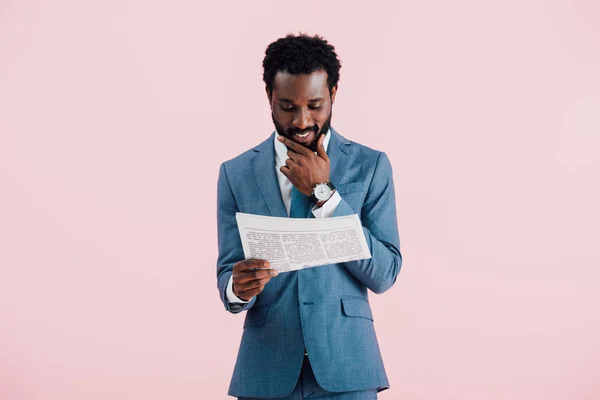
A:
(321, 148)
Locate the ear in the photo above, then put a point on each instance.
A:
(269, 94)
(333, 92)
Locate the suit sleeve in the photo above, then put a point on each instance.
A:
(230, 245)
(378, 216)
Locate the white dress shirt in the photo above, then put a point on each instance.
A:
(286, 194)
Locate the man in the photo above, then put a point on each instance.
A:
(307, 333)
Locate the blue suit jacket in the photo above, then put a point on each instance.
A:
(324, 309)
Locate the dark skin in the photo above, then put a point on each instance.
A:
(250, 277)
(299, 104)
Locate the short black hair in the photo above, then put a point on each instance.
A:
(301, 54)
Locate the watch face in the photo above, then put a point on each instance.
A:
(322, 192)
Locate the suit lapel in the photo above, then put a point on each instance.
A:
(338, 151)
(266, 177)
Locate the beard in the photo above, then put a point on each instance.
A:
(290, 132)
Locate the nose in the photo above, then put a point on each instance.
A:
(302, 119)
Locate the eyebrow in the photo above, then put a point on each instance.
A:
(310, 101)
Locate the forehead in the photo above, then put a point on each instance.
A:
(300, 87)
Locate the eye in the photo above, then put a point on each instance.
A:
(287, 108)
(315, 107)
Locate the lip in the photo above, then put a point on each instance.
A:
(305, 139)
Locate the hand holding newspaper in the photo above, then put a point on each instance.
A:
(290, 244)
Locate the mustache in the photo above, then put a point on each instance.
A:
(293, 131)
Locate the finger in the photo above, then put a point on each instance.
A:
(251, 275)
(286, 171)
(259, 274)
(296, 157)
(249, 291)
(321, 148)
(242, 296)
(249, 294)
(297, 147)
(259, 283)
(259, 263)
(292, 155)
(252, 263)
(239, 293)
(289, 162)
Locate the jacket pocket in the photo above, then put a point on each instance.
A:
(256, 316)
(356, 307)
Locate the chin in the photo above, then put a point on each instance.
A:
(312, 145)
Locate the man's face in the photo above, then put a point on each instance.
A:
(301, 106)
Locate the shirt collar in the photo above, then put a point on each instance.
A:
(281, 150)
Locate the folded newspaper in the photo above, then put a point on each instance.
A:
(290, 244)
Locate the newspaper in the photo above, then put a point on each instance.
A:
(291, 244)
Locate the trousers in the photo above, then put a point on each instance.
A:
(308, 388)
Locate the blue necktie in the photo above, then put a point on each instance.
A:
(299, 209)
(300, 204)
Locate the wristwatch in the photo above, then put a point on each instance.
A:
(322, 191)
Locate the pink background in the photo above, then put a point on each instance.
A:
(115, 116)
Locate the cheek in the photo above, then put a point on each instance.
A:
(282, 118)
(321, 118)
(283, 115)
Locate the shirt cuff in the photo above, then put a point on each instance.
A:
(231, 297)
(327, 209)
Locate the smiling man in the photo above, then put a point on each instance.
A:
(307, 333)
